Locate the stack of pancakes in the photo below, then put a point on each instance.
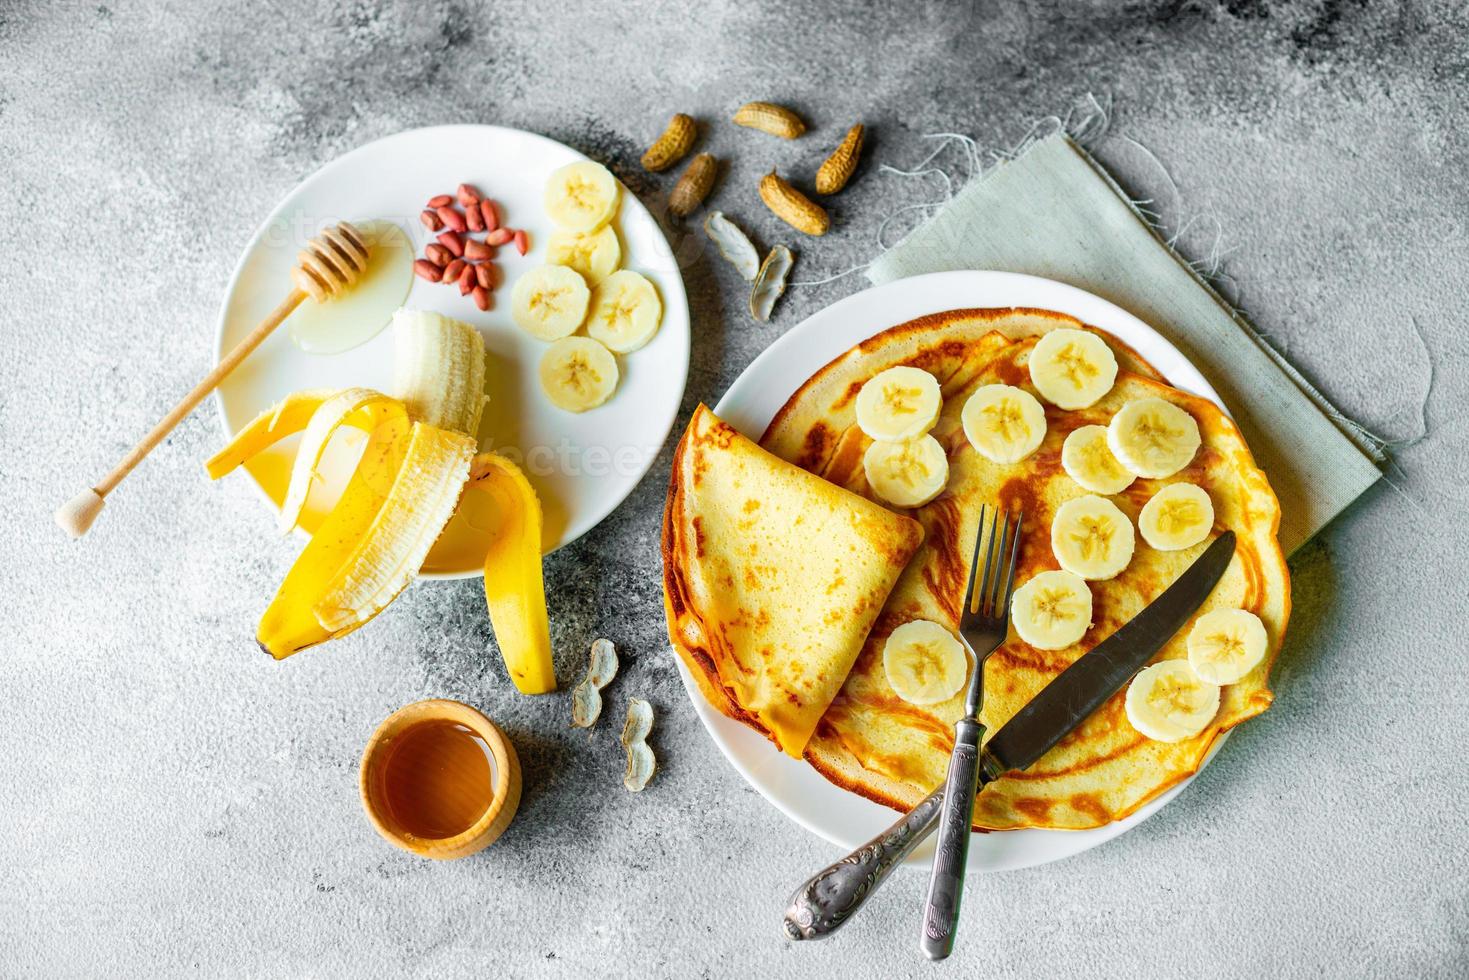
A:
(861, 735)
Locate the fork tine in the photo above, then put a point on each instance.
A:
(1014, 558)
(967, 608)
(992, 595)
(989, 553)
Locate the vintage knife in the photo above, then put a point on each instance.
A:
(820, 906)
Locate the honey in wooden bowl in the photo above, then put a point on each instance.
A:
(440, 779)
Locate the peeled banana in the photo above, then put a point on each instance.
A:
(1072, 368)
(1091, 537)
(1153, 438)
(577, 374)
(596, 255)
(1226, 644)
(1087, 460)
(439, 370)
(1053, 610)
(366, 408)
(581, 196)
(1003, 423)
(1168, 702)
(907, 474)
(624, 312)
(1179, 516)
(899, 403)
(924, 662)
(549, 302)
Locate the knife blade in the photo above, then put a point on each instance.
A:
(830, 897)
(1072, 695)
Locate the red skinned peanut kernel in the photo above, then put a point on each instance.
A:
(452, 271)
(452, 242)
(481, 297)
(425, 269)
(522, 242)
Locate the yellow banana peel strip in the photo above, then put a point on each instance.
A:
(362, 408)
(422, 500)
(287, 417)
(289, 623)
(514, 589)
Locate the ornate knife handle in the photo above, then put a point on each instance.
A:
(950, 860)
(822, 904)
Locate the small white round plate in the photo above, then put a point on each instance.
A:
(582, 466)
(798, 790)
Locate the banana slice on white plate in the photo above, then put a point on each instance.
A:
(1092, 537)
(1226, 644)
(1178, 516)
(549, 302)
(924, 662)
(582, 196)
(1087, 460)
(1168, 702)
(1072, 368)
(1153, 438)
(907, 474)
(577, 373)
(596, 255)
(1003, 423)
(899, 403)
(624, 312)
(1053, 610)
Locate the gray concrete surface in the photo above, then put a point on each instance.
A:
(175, 804)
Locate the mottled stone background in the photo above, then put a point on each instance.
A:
(176, 804)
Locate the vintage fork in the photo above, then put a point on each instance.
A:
(984, 621)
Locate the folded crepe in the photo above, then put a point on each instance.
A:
(772, 578)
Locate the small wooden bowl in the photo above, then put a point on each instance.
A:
(497, 815)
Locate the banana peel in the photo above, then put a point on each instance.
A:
(404, 490)
(514, 589)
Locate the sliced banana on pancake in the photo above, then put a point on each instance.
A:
(907, 474)
(581, 196)
(1052, 611)
(1168, 702)
(577, 374)
(1178, 516)
(1153, 438)
(595, 254)
(1226, 644)
(924, 663)
(1087, 460)
(899, 403)
(549, 302)
(1092, 537)
(624, 312)
(1072, 368)
(1003, 423)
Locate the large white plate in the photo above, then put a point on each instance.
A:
(798, 790)
(582, 466)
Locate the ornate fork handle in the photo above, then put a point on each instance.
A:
(829, 898)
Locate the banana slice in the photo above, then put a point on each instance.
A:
(899, 403)
(1052, 611)
(924, 663)
(1179, 516)
(907, 474)
(1004, 424)
(577, 373)
(1168, 702)
(582, 196)
(625, 312)
(1226, 644)
(596, 255)
(1087, 460)
(1072, 368)
(549, 302)
(1091, 537)
(1153, 438)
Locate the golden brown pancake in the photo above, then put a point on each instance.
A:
(874, 743)
(772, 577)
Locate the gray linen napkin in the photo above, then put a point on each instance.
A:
(1054, 212)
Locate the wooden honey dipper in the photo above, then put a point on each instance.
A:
(331, 263)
